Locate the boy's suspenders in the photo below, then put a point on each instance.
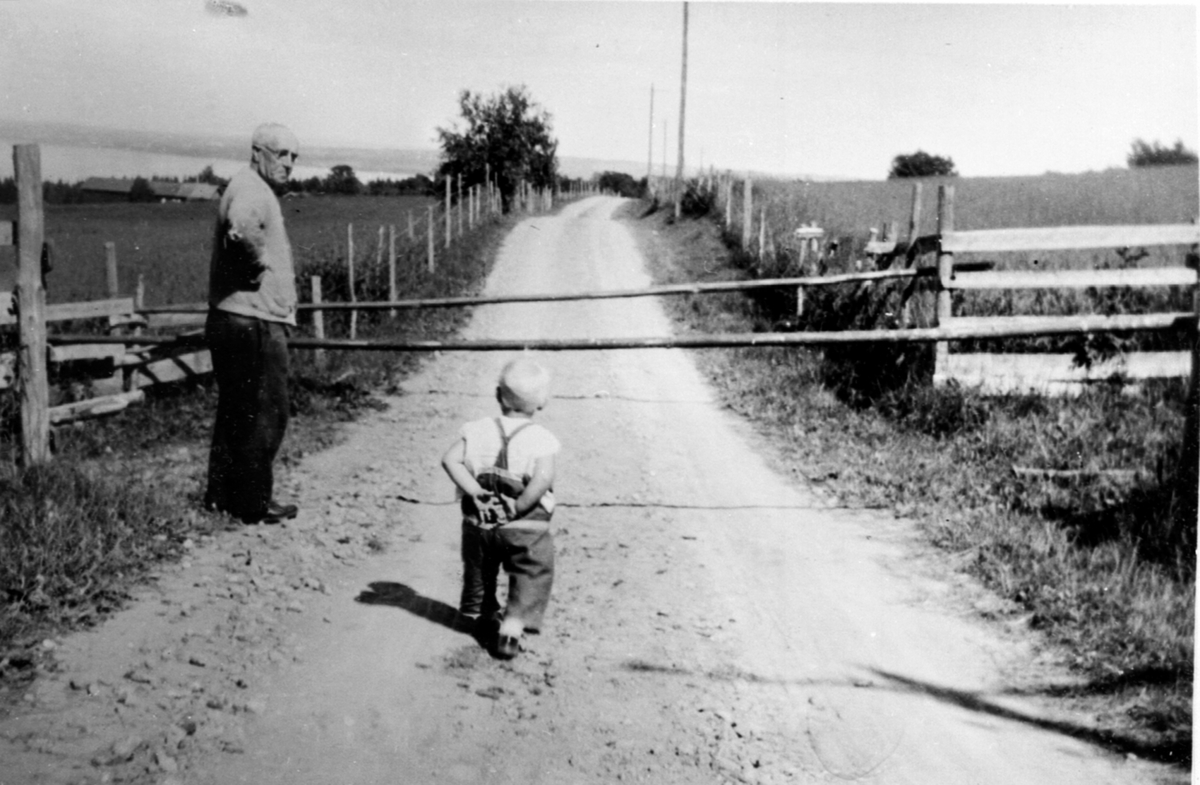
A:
(505, 438)
(502, 464)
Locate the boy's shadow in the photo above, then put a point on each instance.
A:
(398, 595)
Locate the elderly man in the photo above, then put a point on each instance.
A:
(252, 305)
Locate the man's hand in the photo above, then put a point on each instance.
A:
(244, 257)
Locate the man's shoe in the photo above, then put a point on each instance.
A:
(277, 512)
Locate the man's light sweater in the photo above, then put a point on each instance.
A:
(252, 272)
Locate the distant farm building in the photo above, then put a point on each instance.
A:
(111, 189)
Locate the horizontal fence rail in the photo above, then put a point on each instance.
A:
(652, 291)
(1067, 279)
(1065, 238)
(1082, 325)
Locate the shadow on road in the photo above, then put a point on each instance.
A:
(1178, 754)
(407, 598)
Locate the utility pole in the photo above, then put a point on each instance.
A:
(682, 114)
(666, 125)
(650, 146)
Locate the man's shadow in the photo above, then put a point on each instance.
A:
(398, 595)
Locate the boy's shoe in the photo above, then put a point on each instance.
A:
(507, 647)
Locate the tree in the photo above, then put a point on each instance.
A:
(342, 180)
(208, 176)
(141, 191)
(507, 137)
(621, 184)
(921, 164)
(1155, 154)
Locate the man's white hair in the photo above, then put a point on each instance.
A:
(274, 137)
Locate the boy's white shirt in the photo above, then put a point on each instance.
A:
(482, 446)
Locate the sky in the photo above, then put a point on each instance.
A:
(789, 88)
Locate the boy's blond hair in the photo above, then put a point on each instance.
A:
(524, 386)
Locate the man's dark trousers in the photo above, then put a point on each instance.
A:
(250, 361)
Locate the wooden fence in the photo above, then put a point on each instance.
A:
(127, 359)
(139, 359)
(1051, 374)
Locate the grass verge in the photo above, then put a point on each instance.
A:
(1091, 563)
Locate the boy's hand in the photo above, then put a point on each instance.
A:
(489, 508)
(509, 505)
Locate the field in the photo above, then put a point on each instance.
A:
(169, 244)
(848, 209)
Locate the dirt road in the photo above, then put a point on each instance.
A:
(712, 620)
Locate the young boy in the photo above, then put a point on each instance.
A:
(503, 468)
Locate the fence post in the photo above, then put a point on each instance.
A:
(350, 274)
(318, 321)
(392, 267)
(429, 264)
(448, 213)
(747, 214)
(460, 208)
(33, 382)
(941, 354)
(110, 268)
(729, 204)
(762, 234)
(1187, 484)
(914, 216)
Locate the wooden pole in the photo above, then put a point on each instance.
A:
(373, 274)
(650, 144)
(318, 320)
(945, 271)
(914, 215)
(1187, 483)
(762, 234)
(460, 208)
(33, 380)
(430, 264)
(110, 267)
(729, 204)
(449, 214)
(682, 117)
(350, 273)
(392, 265)
(747, 214)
